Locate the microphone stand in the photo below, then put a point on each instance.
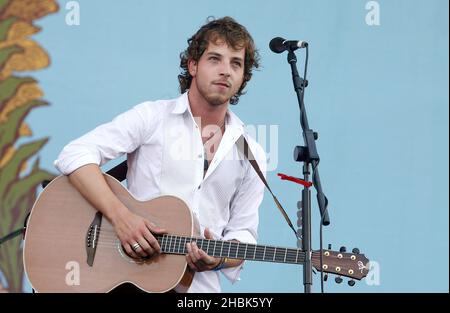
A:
(309, 156)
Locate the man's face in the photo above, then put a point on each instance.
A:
(219, 73)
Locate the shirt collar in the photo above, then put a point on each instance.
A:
(181, 104)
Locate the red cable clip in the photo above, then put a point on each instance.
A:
(295, 180)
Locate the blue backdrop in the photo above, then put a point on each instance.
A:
(378, 96)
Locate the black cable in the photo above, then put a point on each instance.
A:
(321, 255)
(10, 236)
(315, 164)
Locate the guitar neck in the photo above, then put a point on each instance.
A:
(172, 244)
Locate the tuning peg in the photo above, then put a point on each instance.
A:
(355, 250)
(338, 279)
(342, 249)
(325, 277)
(351, 282)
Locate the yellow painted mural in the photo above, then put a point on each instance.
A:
(20, 173)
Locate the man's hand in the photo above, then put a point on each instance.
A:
(135, 234)
(197, 259)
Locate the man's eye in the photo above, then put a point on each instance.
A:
(238, 64)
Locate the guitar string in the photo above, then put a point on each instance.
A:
(176, 239)
(175, 245)
(290, 258)
(110, 234)
(291, 254)
(105, 238)
(259, 256)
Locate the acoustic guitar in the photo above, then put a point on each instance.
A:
(70, 247)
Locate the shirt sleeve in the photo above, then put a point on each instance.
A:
(244, 216)
(106, 142)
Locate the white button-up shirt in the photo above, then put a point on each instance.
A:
(165, 156)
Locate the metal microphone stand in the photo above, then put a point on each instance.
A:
(309, 156)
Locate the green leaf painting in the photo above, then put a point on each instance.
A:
(18, 96)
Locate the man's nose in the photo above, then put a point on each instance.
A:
(225, 69)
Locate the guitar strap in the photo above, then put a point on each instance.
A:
(244, 148)
(120, 172)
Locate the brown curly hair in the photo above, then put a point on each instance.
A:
(234, 34)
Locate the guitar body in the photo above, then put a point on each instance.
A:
(55, 250)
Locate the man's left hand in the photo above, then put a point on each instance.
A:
(197, 259)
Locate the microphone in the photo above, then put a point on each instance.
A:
(278, 44)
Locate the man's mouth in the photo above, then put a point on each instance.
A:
(223, 84)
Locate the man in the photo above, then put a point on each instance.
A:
(185, 147)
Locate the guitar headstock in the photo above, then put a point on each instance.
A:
(353, 265)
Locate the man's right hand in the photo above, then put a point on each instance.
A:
(134, 230)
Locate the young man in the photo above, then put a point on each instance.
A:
(184, 147)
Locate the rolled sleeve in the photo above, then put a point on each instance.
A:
(243, 223)
(106, 142)
(67, 166)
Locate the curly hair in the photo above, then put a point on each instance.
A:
(235, 35)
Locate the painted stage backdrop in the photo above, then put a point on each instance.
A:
(20, 171)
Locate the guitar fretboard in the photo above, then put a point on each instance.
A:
(172, 244)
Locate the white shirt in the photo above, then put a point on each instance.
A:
(165, 157)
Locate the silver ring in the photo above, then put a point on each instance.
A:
(135, 246)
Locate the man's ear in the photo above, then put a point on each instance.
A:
(192, 67)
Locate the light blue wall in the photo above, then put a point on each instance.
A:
(378, 96)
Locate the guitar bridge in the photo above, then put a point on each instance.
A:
(92, 238)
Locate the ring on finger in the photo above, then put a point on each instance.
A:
(135, 246)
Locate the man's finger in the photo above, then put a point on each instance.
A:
(191, 263)
(208, 234)
(191, 253)
(130, 251)
(195, 251)
(155, 229)
(144, 248)
(154, 244)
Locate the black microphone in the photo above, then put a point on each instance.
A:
(278, 44)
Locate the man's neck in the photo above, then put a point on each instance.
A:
(207, 113)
